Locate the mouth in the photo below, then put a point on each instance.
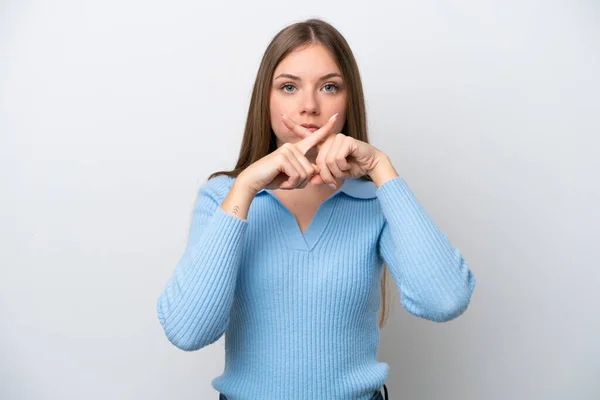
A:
(311, 127)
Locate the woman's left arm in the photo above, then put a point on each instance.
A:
(433, 278)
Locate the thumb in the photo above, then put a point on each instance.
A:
(316, 180)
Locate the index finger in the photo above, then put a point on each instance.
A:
(317, 136)
(294, 127)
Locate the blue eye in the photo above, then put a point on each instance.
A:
(328, 88)
(331, 85)
(287, 86)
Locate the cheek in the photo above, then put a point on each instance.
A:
(341, 121)
(278, 106)
(339, 106)
(275, 112)
(277, 125)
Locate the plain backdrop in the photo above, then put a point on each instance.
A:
(113, 113)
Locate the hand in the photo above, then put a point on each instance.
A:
(287, 167)
(339, 156)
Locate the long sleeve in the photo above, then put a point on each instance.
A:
(433, 279)
(194, 307)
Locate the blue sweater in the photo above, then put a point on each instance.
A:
(300, 311)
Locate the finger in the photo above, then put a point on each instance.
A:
(297, 129)
(336, 157)
(316, 180)
(294, 127)
(304, 176)
(285, 166)
(324, 169)
(311, 169)
(317, 136)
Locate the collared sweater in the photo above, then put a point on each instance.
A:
(299, 311)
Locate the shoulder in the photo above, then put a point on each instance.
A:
(217, 187)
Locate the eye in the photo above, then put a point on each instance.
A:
(287, 86)
(330, 87)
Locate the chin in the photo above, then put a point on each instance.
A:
(291, 139)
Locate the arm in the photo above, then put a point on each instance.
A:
(433, 279)
(194, 307)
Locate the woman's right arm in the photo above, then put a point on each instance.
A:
(194, 307)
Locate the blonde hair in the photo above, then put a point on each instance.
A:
(259, 138)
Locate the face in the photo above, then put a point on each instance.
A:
(307, 86)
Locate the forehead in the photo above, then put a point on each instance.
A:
(308, 62)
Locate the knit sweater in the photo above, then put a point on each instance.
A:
(300, 310)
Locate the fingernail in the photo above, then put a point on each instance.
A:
(333, 185)
(333, 116)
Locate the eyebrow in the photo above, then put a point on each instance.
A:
(296, 78)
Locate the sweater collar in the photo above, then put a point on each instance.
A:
(354, 187)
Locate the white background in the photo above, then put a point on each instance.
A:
(114, 112)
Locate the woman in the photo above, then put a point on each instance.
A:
(286, 253)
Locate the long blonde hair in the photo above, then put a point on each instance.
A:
(259, 139)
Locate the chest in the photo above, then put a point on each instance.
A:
(303, 225)
(304, 214)
(303, 209)
(336, 255)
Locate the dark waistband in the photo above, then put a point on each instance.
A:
(376, 396)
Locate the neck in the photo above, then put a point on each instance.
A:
(312, 192)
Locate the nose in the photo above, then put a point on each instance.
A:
(310, 104)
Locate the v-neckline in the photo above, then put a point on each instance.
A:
(306, 241)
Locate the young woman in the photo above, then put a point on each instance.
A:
(287, 252)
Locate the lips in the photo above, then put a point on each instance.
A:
(311, 127)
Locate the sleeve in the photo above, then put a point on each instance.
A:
(433, 279)
(194, 307)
